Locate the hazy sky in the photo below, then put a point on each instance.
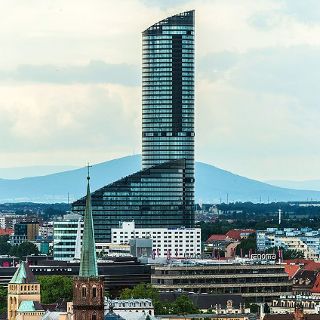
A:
(70, 82)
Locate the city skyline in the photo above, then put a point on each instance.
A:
(256, 84)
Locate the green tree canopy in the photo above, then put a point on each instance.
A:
(55, 287)
(247, 244)
(182, 305)
(5, 247)
(287, 254)
(24, 249)
(3, 299)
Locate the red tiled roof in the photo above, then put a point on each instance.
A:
(291, 269)
(236, 233)
(4, 232)
(290, 317)
(308, 265)
(312, 266)
(216, 237)
(316, 286)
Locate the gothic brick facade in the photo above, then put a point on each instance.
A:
(88, 298)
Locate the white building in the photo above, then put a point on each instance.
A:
(166, 242)
(305, 240)
(123, 307)
(67, 239)
(46, 230)
(65, 234)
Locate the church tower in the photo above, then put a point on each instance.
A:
(23, 291)
(88, 287)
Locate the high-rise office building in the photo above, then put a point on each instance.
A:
(162, 194)
(168, 96)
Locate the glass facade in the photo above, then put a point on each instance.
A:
(152, 197)
(168, 97)
(162, 194)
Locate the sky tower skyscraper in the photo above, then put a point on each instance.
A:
(168, 95)
(162, 193)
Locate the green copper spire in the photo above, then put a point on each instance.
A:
(88, 262)
(23, 274)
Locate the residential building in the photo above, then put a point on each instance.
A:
(8, 220)
(24, 231)
(166, 242)
(287, 304)
(256, 282)
(220, 245)
(239, 234)
(304, 281)
(46, 230)
(162, 194)
(201, 316)
(125, 306)
(305, 240)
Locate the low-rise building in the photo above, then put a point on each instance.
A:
(202, 316)
(67, 240)
(253, 280)
(166, 242)
(305, 240)
(287, 304)
(67, 234)
(24, 231)
(124, 306)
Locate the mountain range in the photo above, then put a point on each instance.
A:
(300, 185)
(212, 184)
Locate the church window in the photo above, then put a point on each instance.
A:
(84, 292)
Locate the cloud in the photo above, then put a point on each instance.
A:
(307, 11)
(70, 74)
(94, 72)
(291, 72)
(163, 4)
(82, 121)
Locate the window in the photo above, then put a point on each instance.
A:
(94, 292)
(84, 292)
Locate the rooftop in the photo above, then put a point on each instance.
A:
(23, 275)
(30, 306)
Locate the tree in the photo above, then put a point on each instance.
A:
(292, 254)
(24, 249)
(3, 299)
(183, 305)
(54, 288)
(287, 254)
(247, 244)
(142, 290)
(4, 245)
